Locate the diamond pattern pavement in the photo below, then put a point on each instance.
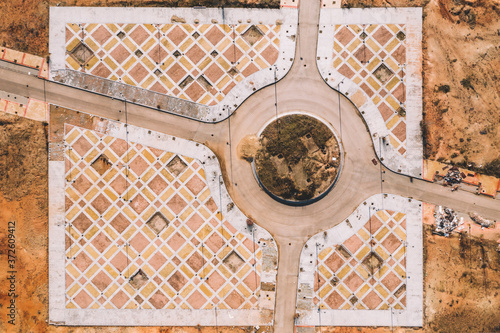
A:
(373, 56)
(368, 270)
(144, 232)
(195, 62)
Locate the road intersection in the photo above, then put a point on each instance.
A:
(304, 90)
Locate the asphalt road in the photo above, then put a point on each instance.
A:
(302, 90)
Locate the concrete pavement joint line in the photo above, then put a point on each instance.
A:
(60, 16)
(405, 156)
(404, 291)
(58, 312)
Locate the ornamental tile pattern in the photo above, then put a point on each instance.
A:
(144, 232)
(373, 56)
(196, 62)
(368, 270)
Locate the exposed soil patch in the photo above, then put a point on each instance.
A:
(298, 158)
(101, 164)
(252, 35)
(23, 155)
(233, 261)
(82, 53)
(248, 147)
(462, 283)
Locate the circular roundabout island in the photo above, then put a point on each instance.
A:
(297, 159)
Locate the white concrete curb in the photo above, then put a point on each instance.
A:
(60, 315)
(412, 18)
(60, 16)
(413, 314)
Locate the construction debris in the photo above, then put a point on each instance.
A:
(453, 176)
(482, 221)
(446, 221)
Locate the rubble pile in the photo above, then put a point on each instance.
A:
(453, 176)
(482, 221)
(446, 221)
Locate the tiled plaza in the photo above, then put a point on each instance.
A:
(358, 273)
(147, 233)
(373, 56)
(144, 230)
(377, 65)
(368, 270)
(199, 63)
